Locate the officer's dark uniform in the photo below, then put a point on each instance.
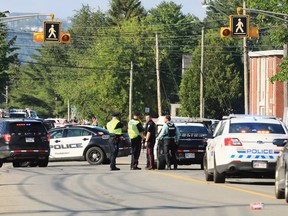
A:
(150, 127)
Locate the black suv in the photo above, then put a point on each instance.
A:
(24, 141)
(191, 147)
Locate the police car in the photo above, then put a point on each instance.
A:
(83, 142)
(244, 146)
(192, 142)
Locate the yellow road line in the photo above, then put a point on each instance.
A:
(212, 183)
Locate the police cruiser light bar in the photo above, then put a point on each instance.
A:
(249, 116)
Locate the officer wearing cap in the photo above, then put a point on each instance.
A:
(115, 127)
(136, 134)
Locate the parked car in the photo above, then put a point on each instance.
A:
(243, 146)
(281, 174)
(24, 141)
(84, 142)
(57, 122)
(191, 145)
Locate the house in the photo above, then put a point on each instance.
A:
(265, 97)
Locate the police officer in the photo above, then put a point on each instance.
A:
(115, 127)
(170, 136)
(150, 136)
(135, 132)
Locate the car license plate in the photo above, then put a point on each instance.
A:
(189, 155)
(260, 164)
(29, 139)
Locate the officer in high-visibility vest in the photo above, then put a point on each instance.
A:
(115, 127)
(136, 134)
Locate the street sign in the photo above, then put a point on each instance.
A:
(52, 31)
(239, 25)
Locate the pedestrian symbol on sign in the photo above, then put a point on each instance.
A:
(52, 32)
(239, 26)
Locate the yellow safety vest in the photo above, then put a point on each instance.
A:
(133, 131)
(111, 127)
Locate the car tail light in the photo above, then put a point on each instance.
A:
(232, 142)
(6, 137)
(48, 137)
(100, 133)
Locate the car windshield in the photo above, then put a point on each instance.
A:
(24, 127)
(254, 127)
(192, 129)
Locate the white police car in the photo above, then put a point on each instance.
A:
(84, 142)
(244, 146)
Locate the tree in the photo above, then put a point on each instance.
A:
(223, 83)
(177, 36)
(84, 28)
(8, 56)
(123, 10)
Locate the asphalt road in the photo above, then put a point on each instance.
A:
(77, 188)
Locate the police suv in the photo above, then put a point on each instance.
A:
(84, 142)
(244, 146)
(192, 142)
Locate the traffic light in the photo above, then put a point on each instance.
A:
(225, 32)
(253, 32)
(38, 37)
(64, 37)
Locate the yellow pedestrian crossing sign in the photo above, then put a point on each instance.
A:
(52, 31)
(239, 25)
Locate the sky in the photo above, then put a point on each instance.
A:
(67, 8)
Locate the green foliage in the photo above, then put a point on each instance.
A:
(276, 27)
(8, 56)
(123, 10)
(223, 70)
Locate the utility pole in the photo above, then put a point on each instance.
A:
(245, 62)
(158, 77)
(68, 109)
(6, 94)
(202, 77)
(130, 90)
(285, 83)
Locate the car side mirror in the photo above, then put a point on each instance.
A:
(280, 142)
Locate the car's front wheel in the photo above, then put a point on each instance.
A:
(286, 186)
(218, 177)
(280, 194)
(161, 162)
(95, 156)
(208, 176)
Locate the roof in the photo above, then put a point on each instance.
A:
(189, 124)
(266, 53)
(180, 119)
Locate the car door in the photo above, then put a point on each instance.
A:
(71, 144)
(212, 144)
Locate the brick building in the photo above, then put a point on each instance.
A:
(265, 98)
